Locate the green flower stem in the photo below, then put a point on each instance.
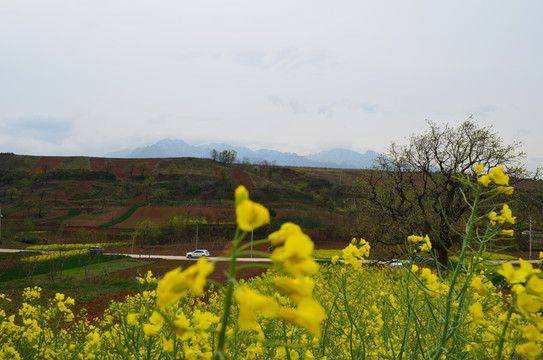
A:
(349, 314)
(447, 326)
(410, 311)
(329, 316)
(219, 352)
(504, 330)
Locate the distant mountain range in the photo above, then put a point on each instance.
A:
(336, 158)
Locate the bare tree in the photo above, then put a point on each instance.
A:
(44, 167)
(414, 190)
(142, 167)
(108, 165)
(131, 167)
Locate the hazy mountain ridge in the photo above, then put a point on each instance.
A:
(335, 158)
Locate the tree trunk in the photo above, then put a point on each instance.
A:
(442, 253)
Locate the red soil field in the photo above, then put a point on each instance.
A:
(121, 167)
(47, 163)
(244, 179)
(81, 188)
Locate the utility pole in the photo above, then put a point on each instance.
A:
(530, 237)
(0, 226)
(196, 236)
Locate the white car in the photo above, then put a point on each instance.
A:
(197, 254)
(395, 263)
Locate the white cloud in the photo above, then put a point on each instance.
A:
(294, 74)
(46, 129)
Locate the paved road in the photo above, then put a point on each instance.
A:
(12, 250)
(165, 257)
(218, 258)
(182, 257)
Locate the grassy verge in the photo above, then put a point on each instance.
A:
(121, 218)
(21, 271)
(18, 255)
(70, 214)
(326, 253)
(95, 270)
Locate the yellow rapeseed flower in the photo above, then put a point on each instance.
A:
(9, 352)
(176, 282)
(479, 286)
(485, 180)
(203, 319)
(132, 319)
(287, 229)
(517, 276)
(507, 214)
(422, 244)
(167, 345)
(476, 312)
(254, 352)
(181, 325)
(494, 219)
(507, 190)
(250, 303)
(431, 280)
(531, 333)
(241, 194)
(297, 289)
(308, 315)
(251, 215)
(30, 294)
(295, 255)
(530, 350)
(528, 304)
(537, 320)
(498, 176)
(155, 324)
(508, 232)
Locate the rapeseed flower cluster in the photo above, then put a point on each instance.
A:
(75, 246)
(354, 254)
(176, 283)
(527, 301)
(249, 215)
(505, 216)
(421, 244)
(53, 256)
(292, 255)
(496, 176)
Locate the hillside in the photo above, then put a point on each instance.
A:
(74, 197)
(70, 193)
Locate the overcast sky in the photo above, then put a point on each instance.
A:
(92, 77)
